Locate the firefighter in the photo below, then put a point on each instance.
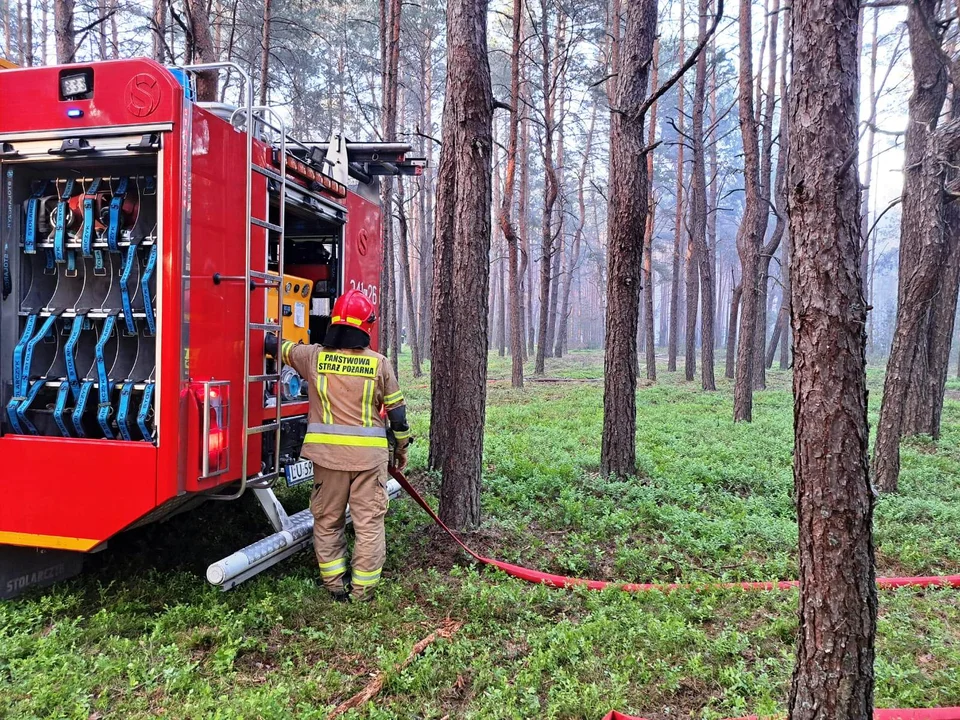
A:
(347, 440)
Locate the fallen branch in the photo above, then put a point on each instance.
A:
(373, 687)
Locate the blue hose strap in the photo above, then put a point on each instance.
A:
(24, 421)
(60, 407)
(123, 414)
(98, 267)
(89, 218)
(33, 209)
(7, 273)
(144, 413)
(28, 353)
(18, 351)
(82, 398)
(12, 407)
(145, 289)
(69, 353)
(51, 267)
(116, 206)
(104, 410)
(60, 239)
(125, 290)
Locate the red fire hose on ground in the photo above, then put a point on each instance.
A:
(951, 713)
(560, 581)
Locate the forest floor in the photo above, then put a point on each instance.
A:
(141, 634)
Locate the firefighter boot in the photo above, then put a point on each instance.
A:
(368, 508)
(328, 505)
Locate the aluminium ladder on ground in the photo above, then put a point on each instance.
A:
(258, 279)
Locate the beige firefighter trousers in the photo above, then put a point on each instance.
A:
(366, 492)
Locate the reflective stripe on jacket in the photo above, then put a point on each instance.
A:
(347, 390)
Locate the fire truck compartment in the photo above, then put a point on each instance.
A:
(78, 317)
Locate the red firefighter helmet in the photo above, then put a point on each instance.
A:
(354, 309)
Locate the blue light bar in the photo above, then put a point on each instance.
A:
(74, 113)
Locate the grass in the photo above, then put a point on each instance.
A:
(140, 634)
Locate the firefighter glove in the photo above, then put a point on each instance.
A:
(400, 456)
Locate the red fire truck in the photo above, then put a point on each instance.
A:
(149, 242)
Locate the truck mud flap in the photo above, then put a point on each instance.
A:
(23, 568)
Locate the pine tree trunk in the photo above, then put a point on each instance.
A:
(651, 349)
(698, 215)
(203, 50)
(678, 216)
(427, 228)
(750, 233)
(833, 676)
(692, 265)
(507, 226)
(526, 266)
(28, 33)
(573, 257)
(922, 240)
(732, 323)
(265, 53)
(63, 31)
(462, 265)
(550, 196)
(412, 337)
(627, 219)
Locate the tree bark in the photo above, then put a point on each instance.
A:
(523, 204)
(507, 226)
(550, 194)
(698, 214)
(750, 233)
(265, 53)
(203, 50)
(692, 286)
(922, 241)
(735, 297)
(678, 216)
(63, 31)
(412, 337)
(627, 218)
(463, 232)
(28, 34)
(833, 676)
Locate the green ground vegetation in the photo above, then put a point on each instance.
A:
(140, 634)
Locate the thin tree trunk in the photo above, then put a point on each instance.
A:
(651, 350)
(550, 195)
(833, 676)
(732, 323)
(678, 216)
(573, 258)
(426, 253)
(28, 33)
(412, 337)
(526, 266)
(265, 53)
(462, 268)
(750, 233)
(871, 142)
(507, 226)
(698, 214)
(766, 184)
(692, 283)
